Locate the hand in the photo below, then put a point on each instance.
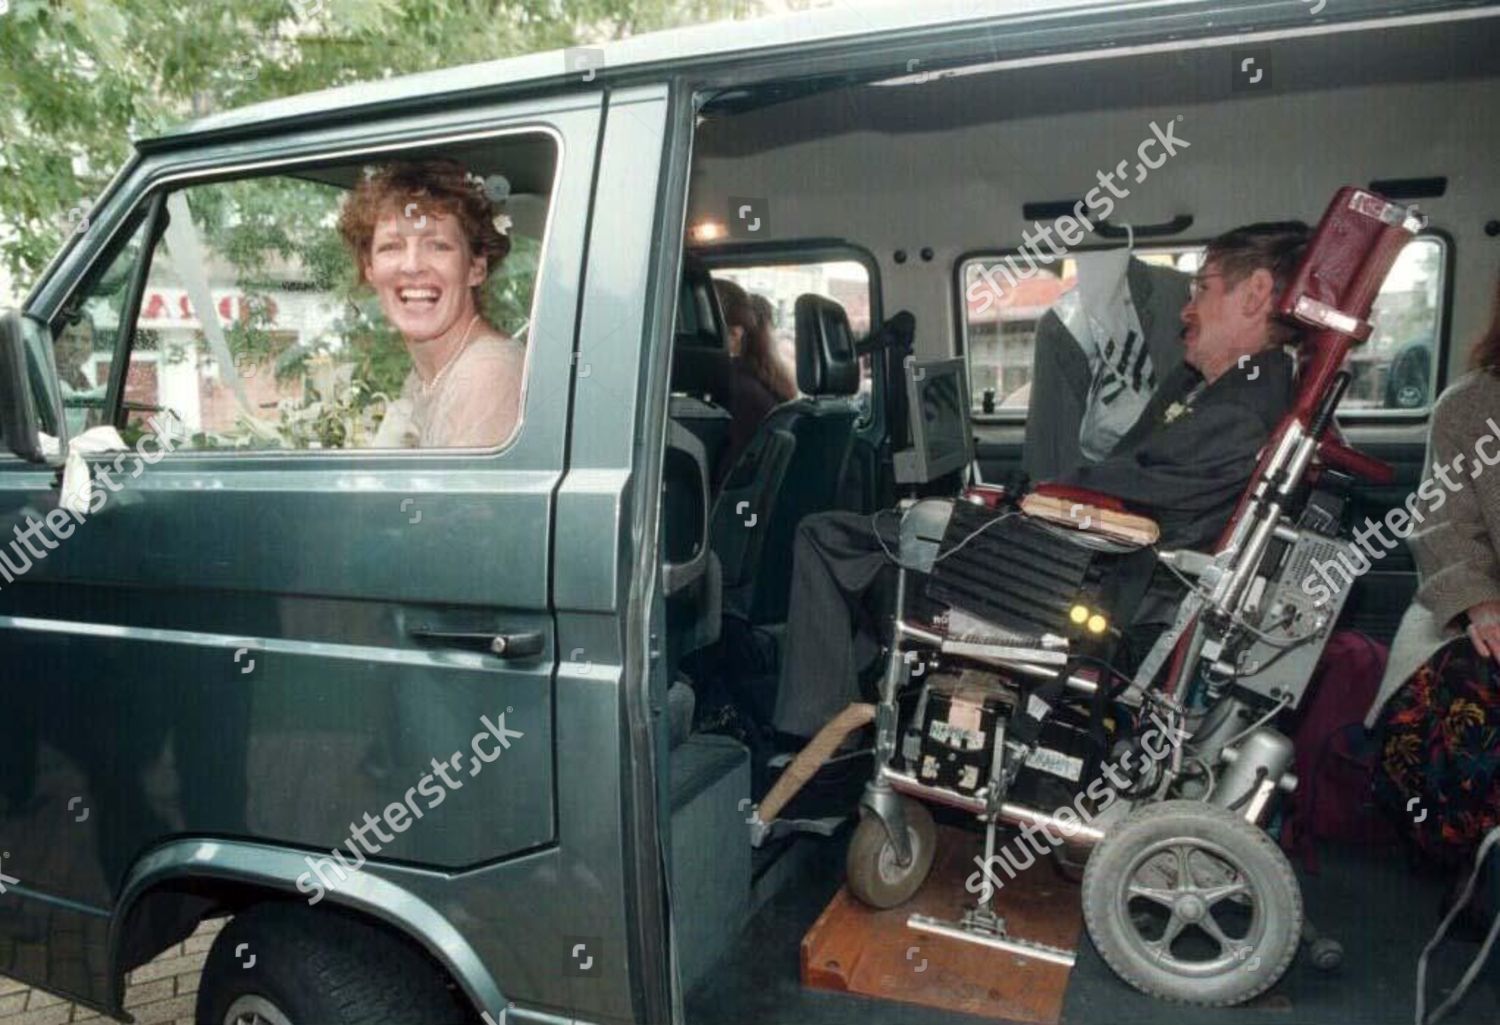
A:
(1484, 628)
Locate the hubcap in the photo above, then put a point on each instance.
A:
(1191, 908)
(892, 871)
(254, 1009)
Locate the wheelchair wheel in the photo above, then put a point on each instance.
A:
(1189, 902)
(875, 877)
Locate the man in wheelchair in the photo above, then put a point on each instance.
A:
(1013, 695)
(1185, 463)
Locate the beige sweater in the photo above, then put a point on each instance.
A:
(1457, 545)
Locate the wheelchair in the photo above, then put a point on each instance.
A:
(1161, 779)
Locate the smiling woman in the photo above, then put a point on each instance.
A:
(426, 236)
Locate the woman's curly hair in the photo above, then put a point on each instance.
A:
(438, 187)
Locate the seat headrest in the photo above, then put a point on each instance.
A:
(700, 361)
(700, 370)
(826, 360)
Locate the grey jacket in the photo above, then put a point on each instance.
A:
(1060, 369)
(1456, 544)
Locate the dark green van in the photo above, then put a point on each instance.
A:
(423, 721)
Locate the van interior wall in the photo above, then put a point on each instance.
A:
(949, 163)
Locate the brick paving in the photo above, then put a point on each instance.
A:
(160, 992)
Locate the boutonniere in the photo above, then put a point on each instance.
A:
(1175, 410)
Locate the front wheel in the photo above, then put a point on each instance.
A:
(1190, 902)
(876, 877)
(285, 964)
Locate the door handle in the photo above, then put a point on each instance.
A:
(521, 644)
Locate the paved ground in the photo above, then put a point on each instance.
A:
(159, 993)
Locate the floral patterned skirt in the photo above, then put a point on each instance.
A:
(1439, 738)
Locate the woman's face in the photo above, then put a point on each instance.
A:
(421, 268)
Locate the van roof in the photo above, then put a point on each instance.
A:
(675, 49)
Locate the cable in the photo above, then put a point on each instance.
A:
(1491, 839)
(1257, 724)
(1237, 619)
(1213, 778)
(875, 526)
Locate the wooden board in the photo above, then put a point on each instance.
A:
(856, 949)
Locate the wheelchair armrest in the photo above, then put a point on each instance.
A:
(1338, 456)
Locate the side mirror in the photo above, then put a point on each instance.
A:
(26, 375)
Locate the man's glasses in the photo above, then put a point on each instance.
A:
(1199, 282)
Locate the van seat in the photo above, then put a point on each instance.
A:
(710, 793)
(820, 425)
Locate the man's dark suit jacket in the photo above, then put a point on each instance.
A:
(1188, 458)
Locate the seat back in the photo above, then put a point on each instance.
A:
(700, 365)
(820, 424)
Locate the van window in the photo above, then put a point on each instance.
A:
(1395, 370)
(298, 351)
(89, 337)
(847, 282)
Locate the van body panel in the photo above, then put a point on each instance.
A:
(601, 542)
(251, 634)
(387, 898)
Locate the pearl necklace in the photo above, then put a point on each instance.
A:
(437, 378)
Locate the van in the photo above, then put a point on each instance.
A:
(477, 733)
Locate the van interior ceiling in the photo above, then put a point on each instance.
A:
(909, 174)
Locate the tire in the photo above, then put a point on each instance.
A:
(874, 876)
(300, 966)
(1241, 906)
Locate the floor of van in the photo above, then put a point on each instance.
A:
(1365, 898)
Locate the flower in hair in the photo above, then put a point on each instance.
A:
(503, 223)
(497, 187)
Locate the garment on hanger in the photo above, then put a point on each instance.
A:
(1099, 354)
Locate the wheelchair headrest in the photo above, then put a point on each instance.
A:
(826, 361)
(1333, 290)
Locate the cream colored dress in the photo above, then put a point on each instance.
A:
(475, 402)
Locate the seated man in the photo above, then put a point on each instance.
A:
(1186, 462)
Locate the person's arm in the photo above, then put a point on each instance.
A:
(484, 401)
(1454, 545)
(1191, 468)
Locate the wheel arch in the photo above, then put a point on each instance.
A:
(171, 888)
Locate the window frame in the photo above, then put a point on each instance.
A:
(1345, 417)
(735, 255)
(148, 207)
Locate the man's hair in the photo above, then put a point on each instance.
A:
(1275, 246)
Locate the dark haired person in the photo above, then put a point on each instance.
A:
(758, 381)
(1435, 704)
(426, 236)
(1186, 461)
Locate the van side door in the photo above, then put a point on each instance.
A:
(271, 625)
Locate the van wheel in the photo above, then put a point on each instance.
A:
(875, 876)
(283, 964)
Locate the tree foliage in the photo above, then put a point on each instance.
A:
(80, 79)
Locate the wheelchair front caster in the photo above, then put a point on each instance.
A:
(1190, 902)
(875, 875)
(1327, 955)
(1325, 952)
